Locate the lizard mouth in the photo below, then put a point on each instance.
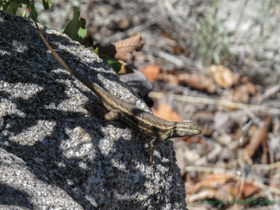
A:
(196, 132)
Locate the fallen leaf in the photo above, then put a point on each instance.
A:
(121, 50)
(224, 139)
(275, 181)
(125, 69)
(251, 88)
(151, 72)
(213, 180)
(177, 49)
(249, 190)
(204, 115)
(259, 136)
(222, 75)
(226, 192)
(236, 79)
(264, 159)
(207, 130)
(124, 24)
(170, 77)
(193, 139)
(227, 98)
(237, 207)
(241, 94)
(205, 193)
(165, 112)
(191, 156)
(199, 82)
(244, 157)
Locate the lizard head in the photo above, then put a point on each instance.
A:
(185, 129)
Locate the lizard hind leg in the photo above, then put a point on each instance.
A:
(113, 115)
(100, 111)
(96, 109)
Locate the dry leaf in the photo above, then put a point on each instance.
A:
(177, 49)
(241, 94)
(125, 68)
(236, 79)
(151, 72)
(83, 22)
(170, 77)
(244, 157)
(249, 190)
(226, 192)
(207, 130)
(121, 50)
(251, 88)
(245, 79)
(259, 136)
(88, 41)
(224, 139)
(204, 115)
(213, 180)
(222, 75)
(206, 118)
(196, 81)
(165, 112)
(227, 98)
(205, 193)
(264, 159)
(124, 24)
(275, 181)
(191, 156)
(237, 207)
(193, 139)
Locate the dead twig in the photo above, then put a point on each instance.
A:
(193, 99)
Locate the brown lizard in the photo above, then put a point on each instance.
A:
(134, 117)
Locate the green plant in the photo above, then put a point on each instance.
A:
(212, 42)
(73, 29)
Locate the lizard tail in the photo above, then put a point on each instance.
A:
(82, 79)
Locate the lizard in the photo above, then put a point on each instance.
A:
(114, 108)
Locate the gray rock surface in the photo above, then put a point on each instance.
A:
(53, 155)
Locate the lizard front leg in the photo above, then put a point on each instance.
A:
(115, 115)
(153, 143)
(151, 150)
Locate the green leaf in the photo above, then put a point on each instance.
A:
(47, 3)
(21, 1)
(13, 7)
(73, 29)
(4, 5)
(95, 51)
(82, 34)
(216, 58)
(112, 62)
(23, 14)
(34, 12)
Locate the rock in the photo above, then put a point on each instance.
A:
(52, 153)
